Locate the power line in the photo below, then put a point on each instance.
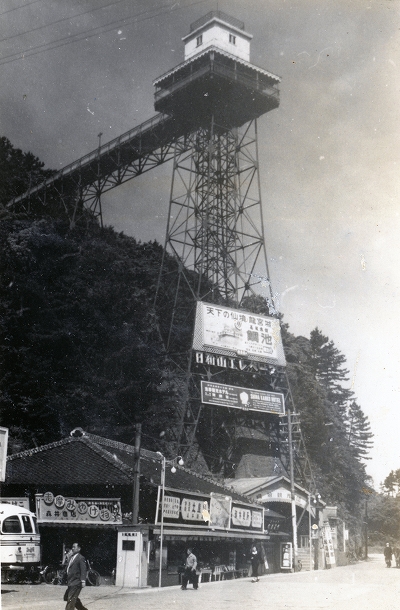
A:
(83, 35)
(16, 8)
(47, 25)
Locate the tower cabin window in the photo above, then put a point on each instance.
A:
(232, 39)
(199, 40)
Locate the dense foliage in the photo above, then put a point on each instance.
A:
(337, 434)
(19, 171)
(79, 346)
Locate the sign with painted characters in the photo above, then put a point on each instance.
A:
(238, 333)
(60, 509)
(208, 510)
(3, 452)
(246, 399)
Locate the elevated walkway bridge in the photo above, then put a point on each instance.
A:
(214, 86)
(78, 187)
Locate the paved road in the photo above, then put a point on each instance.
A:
(363, 586)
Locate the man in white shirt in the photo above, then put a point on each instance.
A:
(190, 574)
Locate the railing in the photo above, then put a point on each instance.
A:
(96, 154)
(218, 68)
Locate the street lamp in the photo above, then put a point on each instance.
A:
(164, 462)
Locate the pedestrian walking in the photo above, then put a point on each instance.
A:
(396, 553)
(190, 574)
(388, 552)
(255, 562)
(76, 579)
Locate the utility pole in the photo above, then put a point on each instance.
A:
(366, 529)
(136, 475)
(292, 489)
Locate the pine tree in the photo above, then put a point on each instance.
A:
(359, 435)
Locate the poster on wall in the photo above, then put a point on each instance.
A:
(235, 332)
(220, 511)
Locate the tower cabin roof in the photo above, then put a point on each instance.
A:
(218, 15)
(217, 29)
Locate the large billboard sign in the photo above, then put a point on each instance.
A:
(246, 399)
(237, 333)
(88, 511)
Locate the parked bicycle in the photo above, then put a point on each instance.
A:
(48, 574)
(92, 577)
(57, 575)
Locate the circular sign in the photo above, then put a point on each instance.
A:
(105, 514)
(93, 511)
(82, 508)
(70, 504)
(48, 497)
(59, 501)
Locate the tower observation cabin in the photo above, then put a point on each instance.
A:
(216, 79)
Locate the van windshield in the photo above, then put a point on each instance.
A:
(11, 525)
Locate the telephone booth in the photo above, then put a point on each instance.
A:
(132, 556)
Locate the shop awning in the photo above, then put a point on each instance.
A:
(196, 534)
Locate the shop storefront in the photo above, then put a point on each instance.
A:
(219, 528)
(82, 489)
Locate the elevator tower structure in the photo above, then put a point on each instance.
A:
(215, 226)
(207, 125)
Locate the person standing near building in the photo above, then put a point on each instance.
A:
(76, 579)
(255, 561)
(189, 574)
(396, 553)
(387, 551)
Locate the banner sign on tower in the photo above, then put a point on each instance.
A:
(246, 399)
(235, 332)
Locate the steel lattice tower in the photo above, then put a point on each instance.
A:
(215, 226)
(215, 218)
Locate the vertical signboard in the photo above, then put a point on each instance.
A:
(220, 511)
(328, 545)
(286, 555)
(3, 452)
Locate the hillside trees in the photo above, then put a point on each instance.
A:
(337, 433)
(18, 171)
(391, 483)
(80, 346)
(384, 517)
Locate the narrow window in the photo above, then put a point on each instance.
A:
(27, 524)
(199, 40)
(232, 39)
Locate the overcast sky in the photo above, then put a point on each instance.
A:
(329, 155)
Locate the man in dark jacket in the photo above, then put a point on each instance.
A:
(76, 579)
(387, 551)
